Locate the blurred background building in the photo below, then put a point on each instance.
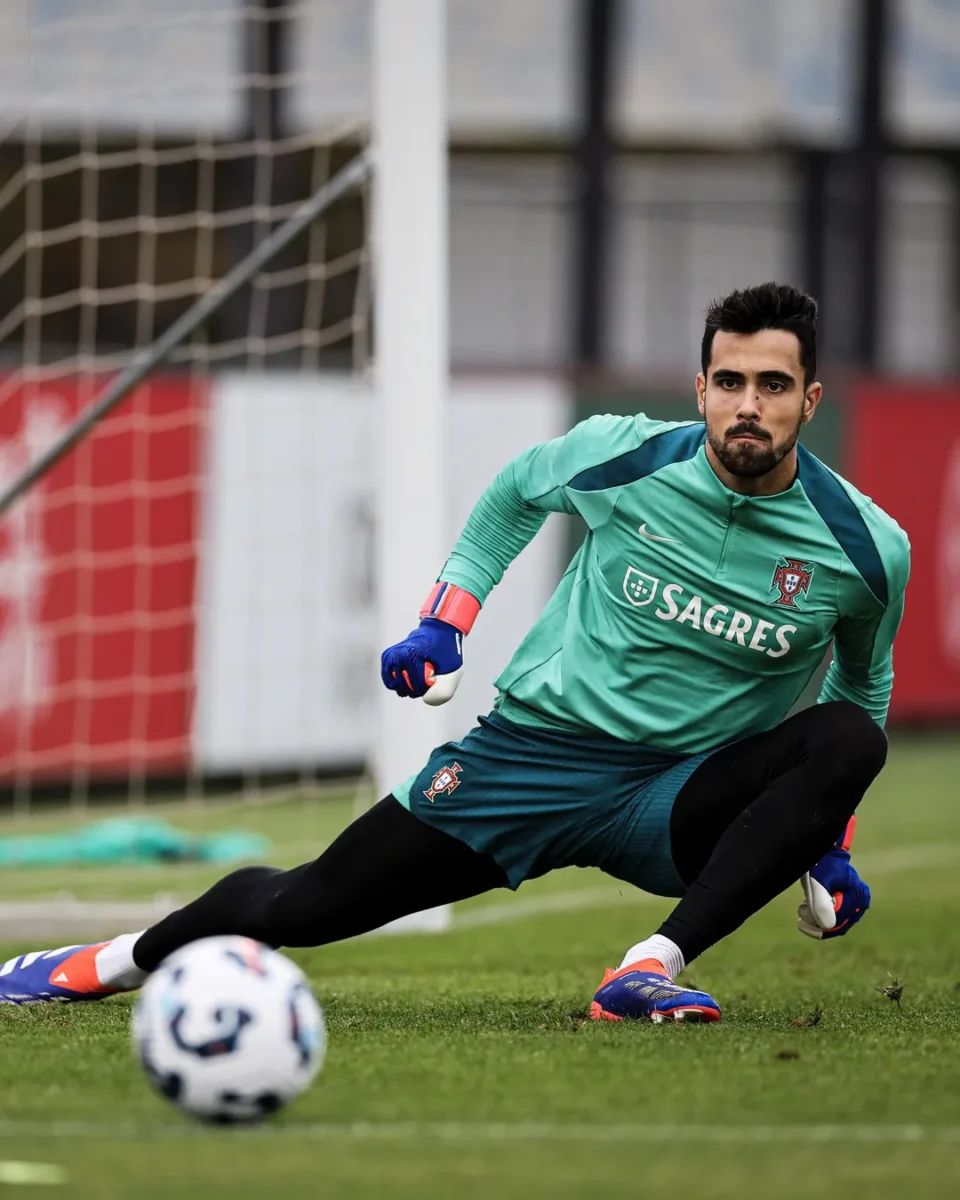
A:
(672, 145)
(614, 164)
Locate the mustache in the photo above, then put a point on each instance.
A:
(748, 430)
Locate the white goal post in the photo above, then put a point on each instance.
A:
(411, 362)
(412, 356)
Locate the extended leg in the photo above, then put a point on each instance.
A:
(385, 865)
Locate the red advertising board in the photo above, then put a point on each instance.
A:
(905, 454)
(97, 576)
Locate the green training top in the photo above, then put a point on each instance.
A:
(691, 616)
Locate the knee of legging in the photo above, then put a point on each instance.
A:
(293, 916)
(853, 746)
(253, 892)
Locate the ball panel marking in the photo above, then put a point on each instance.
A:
(229, 1030)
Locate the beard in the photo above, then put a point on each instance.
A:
(750, 460)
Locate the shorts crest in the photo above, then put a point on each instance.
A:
(446, 780)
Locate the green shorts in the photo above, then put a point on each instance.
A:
(536, 800)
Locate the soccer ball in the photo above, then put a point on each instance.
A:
(228, 1030)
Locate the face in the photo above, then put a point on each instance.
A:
(754, 401)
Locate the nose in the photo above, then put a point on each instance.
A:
(749, 409)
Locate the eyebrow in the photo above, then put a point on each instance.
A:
(764, 376)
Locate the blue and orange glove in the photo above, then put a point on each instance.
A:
(429, 660)
(835, 897)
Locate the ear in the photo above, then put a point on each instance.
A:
(811, 399)
(702, 393)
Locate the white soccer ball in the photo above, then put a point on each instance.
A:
(229, 1030)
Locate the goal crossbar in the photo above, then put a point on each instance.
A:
(353, 175)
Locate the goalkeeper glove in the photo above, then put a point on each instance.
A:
(835, 897)
(429, 660)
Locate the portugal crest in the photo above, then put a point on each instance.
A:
(444, 781)
(791, 579)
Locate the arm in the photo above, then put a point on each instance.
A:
(862, 666)
(835, 897)
(513, 508)
(429, 661)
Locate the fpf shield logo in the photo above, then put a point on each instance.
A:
(444, 781)
(791, 578)
(640, 588)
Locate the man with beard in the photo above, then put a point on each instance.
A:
(642, 725)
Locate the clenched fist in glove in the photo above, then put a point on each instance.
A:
(429, 660)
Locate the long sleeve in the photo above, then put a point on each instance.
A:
(862, 666)
(513, 508)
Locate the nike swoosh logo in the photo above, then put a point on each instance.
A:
(653, 537)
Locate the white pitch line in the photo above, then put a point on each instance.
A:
(63, 916)
(473, 1131)
(907, 858)
(16, 1172)
(872, 862)
(555, 902)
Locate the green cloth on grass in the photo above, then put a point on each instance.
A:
(129, 840)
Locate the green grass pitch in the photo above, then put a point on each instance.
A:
(460, 1065)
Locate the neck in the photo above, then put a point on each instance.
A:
(777, 480)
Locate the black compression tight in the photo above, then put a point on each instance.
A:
(745, 827)
(385, 865)
(758, 814)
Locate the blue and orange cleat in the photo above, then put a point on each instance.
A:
(67, 974)
(641, 991)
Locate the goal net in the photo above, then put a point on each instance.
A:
(183, 592)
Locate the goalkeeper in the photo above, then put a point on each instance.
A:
(641, 726)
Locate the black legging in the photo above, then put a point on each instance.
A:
(385, 865)
(745, 826)
(756, 815)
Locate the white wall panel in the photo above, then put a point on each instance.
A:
(286, 657)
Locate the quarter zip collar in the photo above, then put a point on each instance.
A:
(728, 500)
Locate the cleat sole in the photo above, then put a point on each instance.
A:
(690, 1015)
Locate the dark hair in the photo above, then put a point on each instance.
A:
(767, 306)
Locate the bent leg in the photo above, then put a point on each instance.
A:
(745, 826)
(758, 814)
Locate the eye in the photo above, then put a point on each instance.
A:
(729, 385)
(776, 387)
